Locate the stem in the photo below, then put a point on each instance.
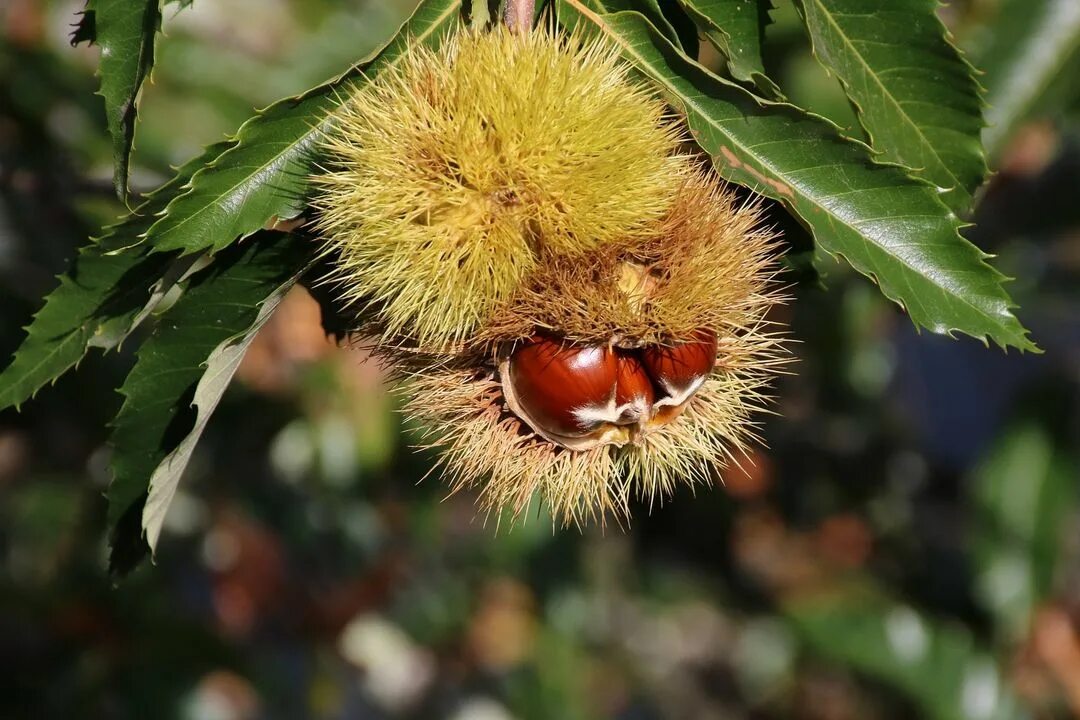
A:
(519, 15)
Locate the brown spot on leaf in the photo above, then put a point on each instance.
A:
(731, 159)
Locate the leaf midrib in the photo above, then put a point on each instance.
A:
(837, 219)
(923, 140)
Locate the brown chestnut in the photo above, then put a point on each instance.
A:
(633, 390)
(679, 370)
(559, 388)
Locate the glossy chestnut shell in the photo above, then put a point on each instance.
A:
(581, 396)
(679, 370)
(566, 387)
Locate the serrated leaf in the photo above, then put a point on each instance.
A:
(650, 9)
(126, 31)
(736, 28)
(84, 31)
(104, 295)
(1034, 44)
(938, 666)
(98, 296)
(1024, 494)
(685, 29)
(189, 359)
(219, 369)
(264, 177)
(887, 225)
(914, 94)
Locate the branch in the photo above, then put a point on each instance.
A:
(519, 15)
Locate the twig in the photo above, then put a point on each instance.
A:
(519, 15)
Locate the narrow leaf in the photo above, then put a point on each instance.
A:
(100, 300)
(219, 369)
(887, 225)
(125, 30)
(736, 28)
(689, 40)
(264, 177)
(96, 301)
(650, 9)
(915, 96)
(1034, 44)
(85, 32)
(938, 666)
(188, 360)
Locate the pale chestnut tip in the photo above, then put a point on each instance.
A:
(583, 396)
(634, 393)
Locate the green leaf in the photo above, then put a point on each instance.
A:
(938, 666)
(650, 9)
(887, 225)
(97, 297)
(85, 30)
(736, 28)
(689, 39)
(1034, 46)
(125, 30)
(1024, 492)
(101, 299)
(188, 361)
(265, 176)
(219, 369)
(915, 96)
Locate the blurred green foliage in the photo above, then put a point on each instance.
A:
(907, 545)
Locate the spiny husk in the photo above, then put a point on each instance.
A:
(484, 445)
(452, 175)
(708, 264)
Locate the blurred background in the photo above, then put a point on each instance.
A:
(906, 547)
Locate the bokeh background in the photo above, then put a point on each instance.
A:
(906, 547)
